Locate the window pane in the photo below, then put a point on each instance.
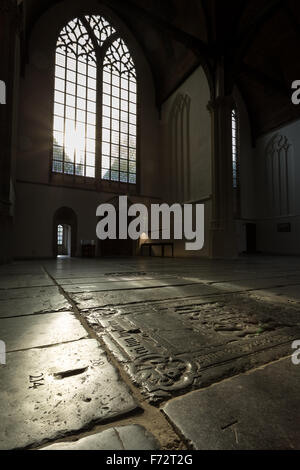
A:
(71, 76)
(58, 124)
(91, 132)
(106, 162)
(92, 83)
(59, 97)
(105, 148)
(57, 167)
(60, 72)
(90, 172)
(70, 113)
(106, 135)
(106, 123)
(59, 109)
(105, 174)
(58, 153)
(90, 159)
(60, 60)
(70, 100)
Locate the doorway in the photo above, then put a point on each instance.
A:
(251, 238)
(64, 232)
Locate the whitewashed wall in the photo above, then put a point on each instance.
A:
(277, 168)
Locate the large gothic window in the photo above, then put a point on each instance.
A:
(95, 103)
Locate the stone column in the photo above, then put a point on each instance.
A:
(9, 64)
(222, 240)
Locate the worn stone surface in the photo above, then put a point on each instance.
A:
(101, 299)
(33, 305)
(48, 393)
(170, 340)
(171, 347)
(287, 294)
(102, 277)
(40, 330)
(30, 292)
(133, 437)
(255, 411)
(256, 283)
(24, 280)
(124, 285)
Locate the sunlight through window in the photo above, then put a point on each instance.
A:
(94, 134)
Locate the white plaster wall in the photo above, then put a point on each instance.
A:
(35, 208)
(197, 88)
(268, 238)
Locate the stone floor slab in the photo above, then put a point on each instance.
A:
(95, 299)
(102, 277)
(29, 292)
(24, 280)
(40, 330)
(280, 294)
(46, 394)
(172, 347)
(255, 411)
(30, 306)
(133, 437)
(251, 284)
(125, 285)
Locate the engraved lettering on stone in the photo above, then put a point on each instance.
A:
(36, 381)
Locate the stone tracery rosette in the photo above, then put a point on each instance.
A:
(162, 376)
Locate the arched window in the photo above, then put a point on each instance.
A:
(95, 103)
(235, 161)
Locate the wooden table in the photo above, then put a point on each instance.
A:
(162, 244)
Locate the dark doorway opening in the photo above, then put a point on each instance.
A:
(251, 238)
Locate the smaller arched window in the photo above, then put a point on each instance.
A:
(235, 160)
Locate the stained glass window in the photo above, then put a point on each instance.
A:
(95, 103)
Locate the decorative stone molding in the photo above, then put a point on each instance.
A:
(280, 175)
(179, 132)
(162, 375)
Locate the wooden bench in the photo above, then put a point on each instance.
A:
(162, 244)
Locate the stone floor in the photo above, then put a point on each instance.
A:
(101, 352)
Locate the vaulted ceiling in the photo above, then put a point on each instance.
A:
(259, 40)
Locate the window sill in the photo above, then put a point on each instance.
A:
(81, 182)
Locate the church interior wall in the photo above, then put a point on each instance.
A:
(37, 198)
(278, 203)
